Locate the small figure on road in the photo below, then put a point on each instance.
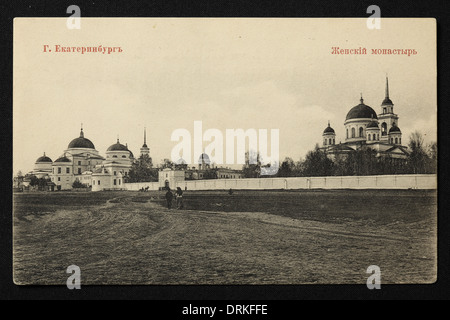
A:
(169, 197)
(179, 195)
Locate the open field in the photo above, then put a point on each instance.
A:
(249, 237)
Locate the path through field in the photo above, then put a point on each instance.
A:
(131, 238)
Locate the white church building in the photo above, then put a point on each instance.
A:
(364, 128)
(82, 162)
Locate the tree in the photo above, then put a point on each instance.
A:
(361, 162)
(317, 163)
(142, 170)
(432, 156)
(77, 184)
(287, 168)
(417, 158)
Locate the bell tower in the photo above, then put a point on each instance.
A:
(145, 150)
(387, 118)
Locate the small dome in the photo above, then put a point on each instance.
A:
(328, 129)
(44, 158)
(373, 124)
(395, 129)
(204, 158)
(387, 102)
(81, 142)
(63, 159)
(361, 111)
(117, 147)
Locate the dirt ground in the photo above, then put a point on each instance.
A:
(249, 237)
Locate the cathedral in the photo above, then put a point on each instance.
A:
(364, 128)
(82, 162)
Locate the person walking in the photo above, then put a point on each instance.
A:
(169, 197)
(179, 195)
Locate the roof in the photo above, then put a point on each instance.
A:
(395, 129)
(117, 147)
(401, 148)
(44, 158)
(204, 158)
(387, 102)
(361, 111)
(329, 130)
(100, 170)
(63, 159)
(372, 124)
(81, 142)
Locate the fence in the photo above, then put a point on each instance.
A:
(417, 181)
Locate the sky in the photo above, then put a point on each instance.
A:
(229, 73)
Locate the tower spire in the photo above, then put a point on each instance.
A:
(145, 135)
(387, 87)
(81, 132)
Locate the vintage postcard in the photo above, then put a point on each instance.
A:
(249, 151)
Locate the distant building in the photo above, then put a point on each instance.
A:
(169, 178)
(105, 179)
(227, 173)
(82, 162)
(364, 128)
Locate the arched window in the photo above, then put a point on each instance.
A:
(361, 131)
(347, 133)
(396, 140)
(383, 129)
(329, 141)
(325, 142)
(374, 137)
(378, 136)
(369, 136)
(400, 140)
(353, 132)
(334, 141)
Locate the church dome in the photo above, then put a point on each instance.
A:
(328, 130)
(394, 129)
(63, 159)
(373, 124)
(44, 158)
(361, 111)
(117, 147)
(387, 102)
(204, 158)
(81, 142)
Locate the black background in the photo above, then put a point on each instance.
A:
(282, 300)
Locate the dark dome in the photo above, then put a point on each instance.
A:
(372, 124)
(328, 129)
(117, 147)
(387, 102)
(81, 142)
(63, 159)
(394, 129)
(361, 111)
(44, 158)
